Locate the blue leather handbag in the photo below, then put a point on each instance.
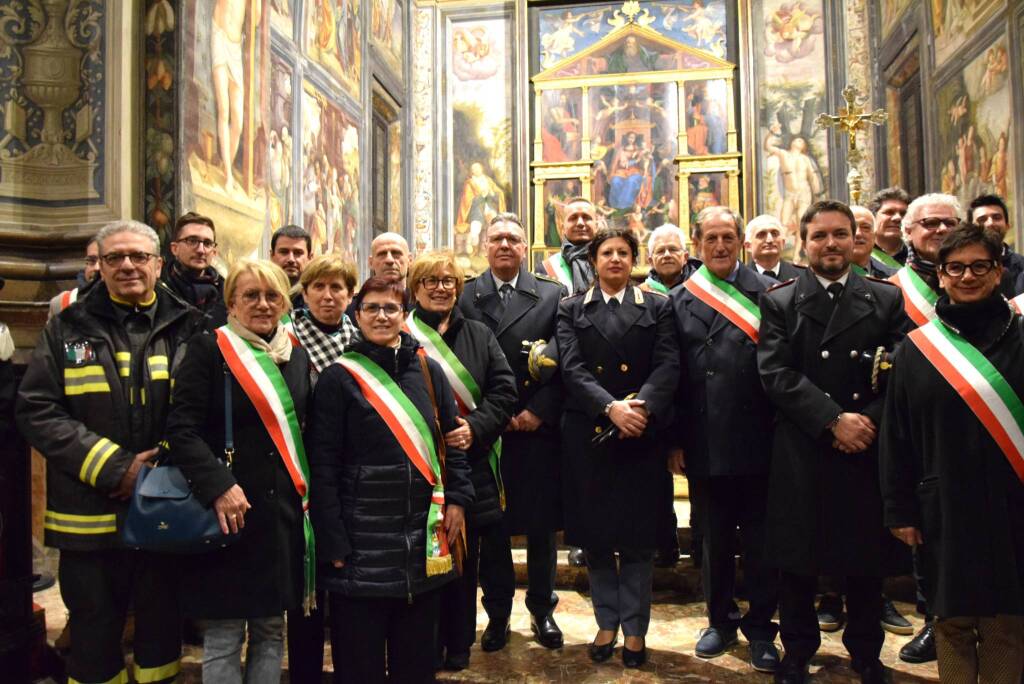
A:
(163, 514)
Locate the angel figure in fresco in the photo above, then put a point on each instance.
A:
(229, 77)
(629, 176)
(481, 200)
(790, 32)
(472, 58)
(958, 110)
(562, 41)
(996, 64)
(700, 25)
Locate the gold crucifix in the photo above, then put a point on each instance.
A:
(852, 119)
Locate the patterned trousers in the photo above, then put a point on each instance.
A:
(980, 649)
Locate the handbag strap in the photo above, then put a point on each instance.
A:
(229, 430)
(438, 435)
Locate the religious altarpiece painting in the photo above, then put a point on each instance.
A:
(634, 108)
(954, 22)
(386, 32)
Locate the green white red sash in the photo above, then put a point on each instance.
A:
(289, 327)
(859, 270)
(723, 297)
(559, 270)
(67, 298)
(918, 298)
(1018, 303)
(656, 285)
(262, 382)
(417, 441)
(980, 384)
(884, 257)
(467, 391)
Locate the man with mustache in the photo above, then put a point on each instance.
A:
(764, 244)
(864, 262)
(889, 206)
(824, 504)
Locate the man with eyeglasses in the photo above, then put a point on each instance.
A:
(990, 211)
(189, 272)
(86, 278)
(951, 468)
(570, 265)
(670, 263)
(94, 402)
(520, 306)
(764, 244)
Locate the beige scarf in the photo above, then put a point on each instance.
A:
(279, 348)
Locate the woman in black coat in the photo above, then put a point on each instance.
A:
(383, 528)
(620, 366)
(260, 576)
(435, 280)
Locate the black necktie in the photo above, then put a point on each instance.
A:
(613, 305)
(835, 290)
(771, 274)
(505, 292)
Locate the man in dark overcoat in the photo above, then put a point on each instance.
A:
(824, 503)
(520, 306)
(727, 468)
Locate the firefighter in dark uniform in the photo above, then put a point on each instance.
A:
(519, 306)
(94, 401)
(824, 502)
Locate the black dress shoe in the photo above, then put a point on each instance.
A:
(634, 658)
(546, 630)
(495, 636)
(577, 557)
(870, 672)
(599, 654)
(456, 662)
(920, 649)
(791, 672)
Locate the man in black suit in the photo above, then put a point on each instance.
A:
(990, 211)
(824, 502)
(864, 262)
(764, 245)
(727, 468)
(518, 307)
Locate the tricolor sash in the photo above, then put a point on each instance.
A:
(289, 327)
(262, 382)
(918, 298)
(656, 285)
(980, 384)
(556, 268)
(417, 441)
(67, 298)
(859, 270)
(723, 297)
(1018, 303)
(884, 257)
(467, 391)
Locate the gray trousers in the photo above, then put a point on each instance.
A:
(222, 650)
(621, 592)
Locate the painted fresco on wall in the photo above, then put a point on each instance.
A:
(975, 128)
(279, 149)
(395, 176)
(954, 21)
(557, 194)
(891, 11)
(707, 116)
(565, 32)
(561, 127)
(52, 133)
(633, 144)
(790, 63)
(224, 131)
(334, 40)
(635, 51)
(330, 175)
(282, 17)
(480, 130)
(386, 31)
(707, 190)
(160, 117)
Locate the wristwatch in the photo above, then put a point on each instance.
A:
(608, 408)
(835, 421)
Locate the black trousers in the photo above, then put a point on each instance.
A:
(497, 577)
(863, 635)
(668, 525)
(97, 588)
(727, 503)
(541, 563)
(306, 644)
(384, 639)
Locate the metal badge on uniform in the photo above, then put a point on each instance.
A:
(79, 353)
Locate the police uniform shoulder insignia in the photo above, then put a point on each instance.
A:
(651, 290)
(589, 296)
(6, 343)
(543, 276)
(800, 266)
(638, 295)
(784, 283)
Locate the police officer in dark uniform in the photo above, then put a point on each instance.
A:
(519, 306)
(94, 402)
(824, 503)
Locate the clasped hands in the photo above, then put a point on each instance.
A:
(854, 432)
(630, 416)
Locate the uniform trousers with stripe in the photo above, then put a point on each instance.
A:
(97, 588)
(980, 649)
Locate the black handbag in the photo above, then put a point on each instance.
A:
(164, 516)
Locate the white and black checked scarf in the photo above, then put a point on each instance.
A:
(323, 349)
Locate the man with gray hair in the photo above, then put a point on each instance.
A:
(94, 402)
(670, 263)
(764, 243)
(928, 220)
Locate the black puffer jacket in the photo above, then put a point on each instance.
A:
(477, 348)
(368, 502)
